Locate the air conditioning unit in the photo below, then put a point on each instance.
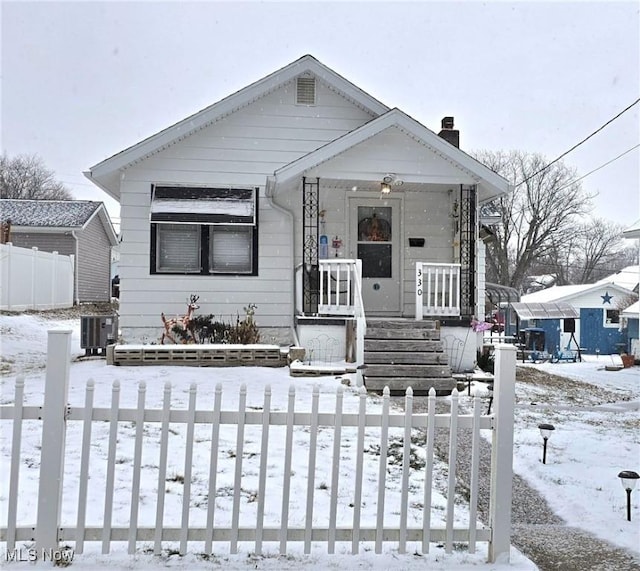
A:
(97, 331)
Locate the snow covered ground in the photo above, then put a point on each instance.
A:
(596, 436)
(588, 449)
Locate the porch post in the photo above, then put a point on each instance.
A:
(53, 439)
(310, 230)
(468, 231)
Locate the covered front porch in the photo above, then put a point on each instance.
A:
(423, 349)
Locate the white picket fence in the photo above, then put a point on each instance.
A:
(99, 428)
(31, 279)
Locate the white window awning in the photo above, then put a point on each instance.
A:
(550, 310)
(194, 205)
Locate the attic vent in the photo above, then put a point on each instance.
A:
(306, 91)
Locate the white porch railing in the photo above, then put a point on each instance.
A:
(437, 289)
(338, 286)
(341, 294)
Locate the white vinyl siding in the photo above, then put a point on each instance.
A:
(241, 150)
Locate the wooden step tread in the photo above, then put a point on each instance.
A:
(386, 370)
(412, 358)
(404, 345)
(404, 333)
(421, 387)
(401, 323)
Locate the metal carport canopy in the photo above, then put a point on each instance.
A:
(549, 310)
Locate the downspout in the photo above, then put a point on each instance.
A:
(269, 191)
(76, 284)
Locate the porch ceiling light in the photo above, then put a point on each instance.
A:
(385, 188)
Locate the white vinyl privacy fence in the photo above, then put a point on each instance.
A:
(235, 502)
(32, 279)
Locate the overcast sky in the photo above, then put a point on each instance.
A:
(82, 81)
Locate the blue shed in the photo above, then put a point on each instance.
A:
(599, 327)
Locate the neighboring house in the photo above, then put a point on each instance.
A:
(80, 228)
(627, 278)
(271, 195)
(599, 327)
(631, 315)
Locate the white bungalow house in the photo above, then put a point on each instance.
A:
(308, 197)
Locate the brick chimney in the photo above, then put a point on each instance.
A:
(448, 133)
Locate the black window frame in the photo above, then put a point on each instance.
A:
(204, 235)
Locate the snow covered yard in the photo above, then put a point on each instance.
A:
(586, 452)
(596, 415)
(24, 344)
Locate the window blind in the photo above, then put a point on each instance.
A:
(230, 249)
(179, 248)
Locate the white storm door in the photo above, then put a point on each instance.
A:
(375, 239)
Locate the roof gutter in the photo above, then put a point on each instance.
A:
(269, 193)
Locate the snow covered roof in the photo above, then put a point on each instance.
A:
(54, 214)
(72, 213)
(554, 293)
(564, 293)
(627, 277)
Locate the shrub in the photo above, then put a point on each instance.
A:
(208, 329)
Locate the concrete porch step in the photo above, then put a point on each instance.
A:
(398, 385)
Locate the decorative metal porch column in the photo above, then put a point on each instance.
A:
(468, 214)
(310, 231)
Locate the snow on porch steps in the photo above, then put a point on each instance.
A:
(406, 353)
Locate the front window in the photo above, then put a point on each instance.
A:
(204, 231)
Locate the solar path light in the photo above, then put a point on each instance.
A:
(628, 480)
(545, 431)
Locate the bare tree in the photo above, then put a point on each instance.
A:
(539, 214)
(27, 177)
(591, 251)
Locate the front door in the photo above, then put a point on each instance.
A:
(374, 238)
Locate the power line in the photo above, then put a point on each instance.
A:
(601, 166)
(578, 144)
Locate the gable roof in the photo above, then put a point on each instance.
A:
(633, 231)
(55, 215)
(567, 292)
(492, 183)
(106, 173)
(627, 277)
